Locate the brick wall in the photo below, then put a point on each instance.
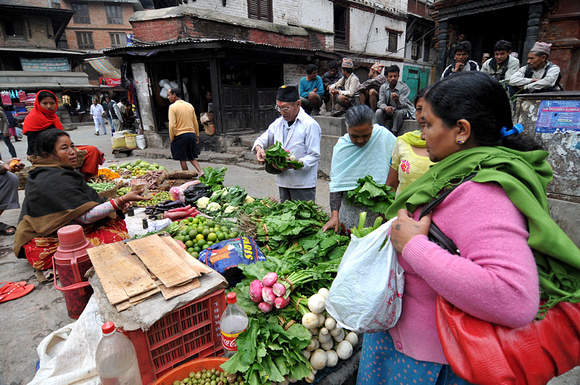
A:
(37, 33)
(293, 73)
(99, 26)
(188, 26)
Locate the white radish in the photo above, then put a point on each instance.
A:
(352, 337)
(323, 292)
(331, 358)
(310, 378)
(316, 304)
(313, 345)
(314, 331)
(330, 323)
(321, 319)
(344, 350)
(324, 331)
(306, 353)
(328, 345)
(292, 380)
(318, 359)
(339, 336)
(310, 320)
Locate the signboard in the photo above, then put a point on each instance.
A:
(47, 64)
(110, 82)
(129, 37)
(558, 115)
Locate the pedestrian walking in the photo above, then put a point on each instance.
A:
(98, 114)
(183, 131)
(108, 113)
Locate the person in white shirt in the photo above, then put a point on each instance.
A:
(300, 134)
(98, 115)
(503, 65)
(539, 75)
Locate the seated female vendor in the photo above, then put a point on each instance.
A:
(56, 195)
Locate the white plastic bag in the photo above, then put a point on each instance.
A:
(367, 293)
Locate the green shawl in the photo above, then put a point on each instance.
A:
(524, 176)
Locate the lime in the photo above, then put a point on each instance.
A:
(201, 243)
(231, 235)
(197, 248)
(189, 243)
(195, 221)
(190, 250)
(185, 238)
(194, 254)
(208, 244)
(205, 232)
(221, 236)
(202, 219)
(212, 237)
(199, 237)
(210, 223)
(193, 233)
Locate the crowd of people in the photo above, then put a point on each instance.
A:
(465, 141)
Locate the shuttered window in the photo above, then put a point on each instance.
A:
(81, 15)
(85, 40)
(260, 10)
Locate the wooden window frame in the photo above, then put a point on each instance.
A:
(343, 43)
(117, 39)
(395, 36)
(81, 17)
(261, 10)
(114, 14)
(82, 44)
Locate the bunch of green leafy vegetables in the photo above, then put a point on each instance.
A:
(267, 353)
(213, 177)
(234, 196)
(377, 197)
(281, 157)
(287, 222)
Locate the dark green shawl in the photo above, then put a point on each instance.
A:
(55, 195)
(524, 176)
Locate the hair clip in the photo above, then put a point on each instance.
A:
(516, 130)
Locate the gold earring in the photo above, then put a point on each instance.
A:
(460, 141)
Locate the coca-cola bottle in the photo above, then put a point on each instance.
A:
(116, 358)
(233, 322)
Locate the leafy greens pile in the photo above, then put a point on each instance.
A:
(378, 198)
(267, 352)
(213, 177)
(280, 157)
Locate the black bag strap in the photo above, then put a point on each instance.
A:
(435, 234)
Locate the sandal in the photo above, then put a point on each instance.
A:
(7, 229)
(14, 290)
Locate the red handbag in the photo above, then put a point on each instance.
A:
(488, 354)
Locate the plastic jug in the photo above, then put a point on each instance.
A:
(71, 261)
(116, 359)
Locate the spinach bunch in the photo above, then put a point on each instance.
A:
(281, 158)
(213, 177)
(378, 198)
(267, 352)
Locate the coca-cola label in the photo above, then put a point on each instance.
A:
(229, 341)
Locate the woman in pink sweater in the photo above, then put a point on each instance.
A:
(495, 278)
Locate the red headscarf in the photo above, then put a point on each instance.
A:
(39, 119)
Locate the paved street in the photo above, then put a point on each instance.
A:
(26, 321)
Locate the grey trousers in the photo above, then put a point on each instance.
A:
(297, 194)
(381, 118)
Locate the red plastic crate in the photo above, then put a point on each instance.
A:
(187, 333)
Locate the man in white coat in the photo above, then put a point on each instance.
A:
(299, 133)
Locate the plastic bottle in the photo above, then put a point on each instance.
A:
(116, 358)
(233, 322)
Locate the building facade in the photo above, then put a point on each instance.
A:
(243, 50)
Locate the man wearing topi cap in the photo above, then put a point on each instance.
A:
(369, 90)
(343, 92)
(299, 133)
(539, 75)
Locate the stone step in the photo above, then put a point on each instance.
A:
(237, 150)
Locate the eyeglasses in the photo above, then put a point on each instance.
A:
(283, 109)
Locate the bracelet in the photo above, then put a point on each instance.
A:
(114, 204)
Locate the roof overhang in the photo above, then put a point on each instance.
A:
(59, 17)
(227, 45)
(55, 81)
(43, 52)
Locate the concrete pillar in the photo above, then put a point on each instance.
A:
(534, 14)
(144, 96)
(442, 48)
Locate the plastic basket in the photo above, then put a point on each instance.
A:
(187, 333)
(183, 371)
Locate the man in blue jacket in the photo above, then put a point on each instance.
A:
(311, 91)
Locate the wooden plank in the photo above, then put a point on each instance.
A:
(162, 261)
(195, 264)
(142, 296)
(170, 292)
(122, 275)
